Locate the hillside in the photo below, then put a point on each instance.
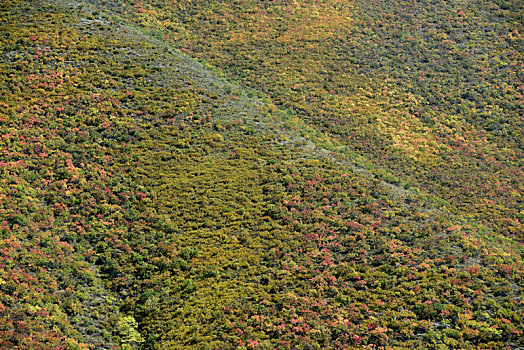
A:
(431, 92)
(268, 175)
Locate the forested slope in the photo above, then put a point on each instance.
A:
(148, 202)
(430, 91)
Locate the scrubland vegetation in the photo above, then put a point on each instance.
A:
(261, 174)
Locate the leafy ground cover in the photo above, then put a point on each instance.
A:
(429, 91)
(147, 202)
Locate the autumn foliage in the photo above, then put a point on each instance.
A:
(330, 175)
